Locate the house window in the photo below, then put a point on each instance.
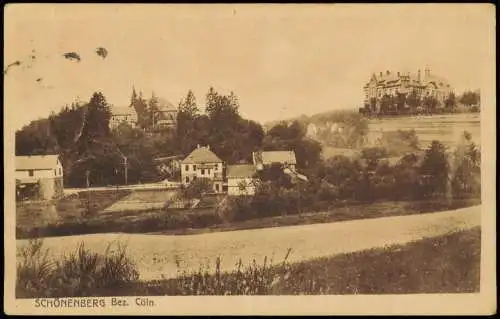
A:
(217, 187)
(194, 167)
(208, 171)
(30, 172)
(202, 171)
(187, 168)
(215, 167)
(60, 171)
(55, 172)
(194, 177)
(187, 179)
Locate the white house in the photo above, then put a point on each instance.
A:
(124, 114)
(241, 179)
(263, 159)
(46, 171)
(203, 163)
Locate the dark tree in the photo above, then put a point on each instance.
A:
(434, 171)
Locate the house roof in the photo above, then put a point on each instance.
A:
(36, 162)
(241, 170)
(122, 110)
(270, 157)
(202, 155)
(165, 105)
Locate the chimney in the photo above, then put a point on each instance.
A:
(208, 146)
(387, 72)
(398, 74)
(198, 146)
(418, 76)
(380, 73)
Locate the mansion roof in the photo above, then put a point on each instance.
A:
(389, 79)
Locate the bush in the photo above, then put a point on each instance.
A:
(253, 279)
(82, 273)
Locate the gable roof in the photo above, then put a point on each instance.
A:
(165, 105)
(241, 170)
(201, 155)
(37, 162)
(270, 157)
(122, 110)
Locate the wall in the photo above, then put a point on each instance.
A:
(233, 186)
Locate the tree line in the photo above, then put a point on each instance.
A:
(81, 135)
(434, 175)
(415, 103)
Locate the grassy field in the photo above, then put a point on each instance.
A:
(206, 219)
(446, 264)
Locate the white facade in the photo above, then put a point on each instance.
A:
(44, 171)
(207, 170)
(123, 115)
(237, 186)
(39, 173)
(203, 163)
(36, 167)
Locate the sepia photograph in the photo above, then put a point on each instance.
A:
(168, 158)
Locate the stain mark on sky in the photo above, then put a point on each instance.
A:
(15, 63)
(102, 52)
(72, 56)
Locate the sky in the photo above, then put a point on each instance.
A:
(281, 61)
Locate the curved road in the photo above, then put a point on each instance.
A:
(158, 255)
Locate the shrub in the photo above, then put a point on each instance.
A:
(253, 279)
(81, 273)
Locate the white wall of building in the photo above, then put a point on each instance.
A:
(211, 171)
(233, 186)
(39, 173)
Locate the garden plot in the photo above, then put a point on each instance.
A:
(142, 200)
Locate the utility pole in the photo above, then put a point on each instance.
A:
(126, 169)
(87, 173)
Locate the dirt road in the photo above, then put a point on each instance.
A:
(158, 255)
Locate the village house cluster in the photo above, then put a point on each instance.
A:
(238, 179)
(41, 177)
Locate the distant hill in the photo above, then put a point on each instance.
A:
(346, 132)
(344, 129)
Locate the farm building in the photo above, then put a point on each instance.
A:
(241, 179)
(39, 177)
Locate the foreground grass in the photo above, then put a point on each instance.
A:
(445, 264)
(203, 220)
